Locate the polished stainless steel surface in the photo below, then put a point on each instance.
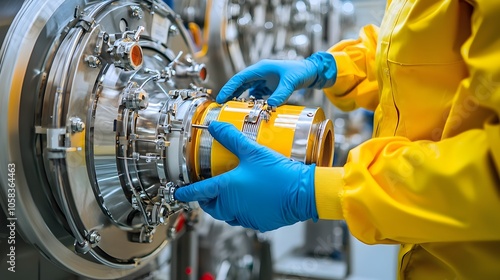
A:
(301, 145)
(276, 29)
(313, 139)
(84, 106)
(8, 10)
(99, 102)
(238, 33)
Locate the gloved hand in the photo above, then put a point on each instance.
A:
(264, 192)
(279, 78)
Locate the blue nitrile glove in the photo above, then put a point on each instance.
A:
(170, 3)
(279, 78)
(264, 192)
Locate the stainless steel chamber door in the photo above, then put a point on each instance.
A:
(95, 97)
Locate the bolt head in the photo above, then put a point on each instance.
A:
(94, 237)
(77, 125)
(93, 61)
(173, 30)
(137, 12)
(82, 248)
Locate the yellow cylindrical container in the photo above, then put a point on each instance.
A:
(300, 133)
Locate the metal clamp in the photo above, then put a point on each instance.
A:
(259, 109)
(134, 97)
(91, 240)
(167, 192)
(102, 39)
(84, 21)
(53, 140)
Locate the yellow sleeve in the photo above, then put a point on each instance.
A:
(393, 190)
(356, 84)
(398, 191)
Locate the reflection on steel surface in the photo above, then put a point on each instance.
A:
(84, 96)
(103, 110)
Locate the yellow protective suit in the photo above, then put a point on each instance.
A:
(429, 178)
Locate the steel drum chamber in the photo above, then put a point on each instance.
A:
(103, 109)
(80, 184)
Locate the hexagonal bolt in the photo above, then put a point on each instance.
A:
(92, 60)
(94, 237)
(77, 125)
(82, 248)
(161, 144)
(173, 30)
(136, 12)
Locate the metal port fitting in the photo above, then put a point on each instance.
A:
(196, 70)
(127, 52)
(135, 98)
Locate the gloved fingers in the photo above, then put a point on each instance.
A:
(232, 139)
(233, 88)
(233, 223)
(241, 82)
(218, 207)
(281, 94)
(205, 190)
(228, 92)
(212, 208)
(260, 90)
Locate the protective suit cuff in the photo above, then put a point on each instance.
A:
(346, 80)
(326, 70)
(328, 187)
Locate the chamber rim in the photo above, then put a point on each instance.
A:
(324, 144)
(313, 133)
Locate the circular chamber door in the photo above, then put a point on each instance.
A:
(103, 114)
(89, 104)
